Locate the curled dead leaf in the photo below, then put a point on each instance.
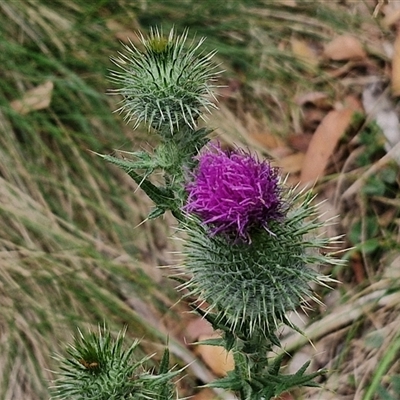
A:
(345, 47)
(37, 98)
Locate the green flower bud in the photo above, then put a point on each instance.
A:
(98, 367)
(165, 86)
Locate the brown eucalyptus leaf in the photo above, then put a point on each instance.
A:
(323, 143)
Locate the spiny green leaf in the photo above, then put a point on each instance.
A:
(229, 382)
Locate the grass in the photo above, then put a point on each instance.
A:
(69, 253)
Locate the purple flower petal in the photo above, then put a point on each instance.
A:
(233, 192)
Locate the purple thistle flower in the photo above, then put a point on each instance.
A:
(233, 192)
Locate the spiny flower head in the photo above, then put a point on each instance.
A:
(233, 192)
(166, 85)
(99, 367)
(251, 286)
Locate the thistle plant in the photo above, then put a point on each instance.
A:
(250, 243)
(252, 246)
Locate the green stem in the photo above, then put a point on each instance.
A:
(163, 198)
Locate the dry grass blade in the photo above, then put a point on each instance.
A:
(68, 253)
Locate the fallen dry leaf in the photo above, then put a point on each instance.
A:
(344, 47)
(37, 98)
(324, 142)
(215, 357)
(396, 67)
(303, 52)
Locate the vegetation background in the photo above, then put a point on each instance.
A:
(313, 85)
